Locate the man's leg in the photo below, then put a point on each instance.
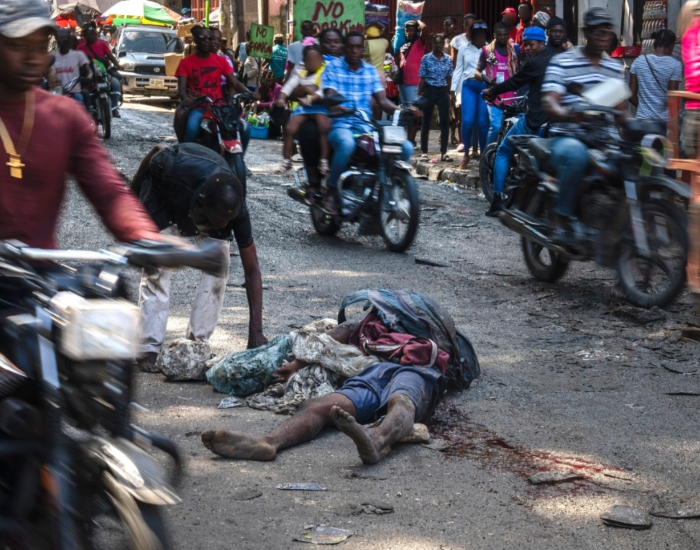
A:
(194, 119)
(570, 156)
(495, 117)
(305, 425)
(343, 143)
(115, 94)
(208, 302)
(505, 153)
(180, 123)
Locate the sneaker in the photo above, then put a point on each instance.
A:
(116, 113)
(496, 206)
(148, 362)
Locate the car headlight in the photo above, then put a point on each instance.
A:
(394, 135)
(97, 329)
(128, 66)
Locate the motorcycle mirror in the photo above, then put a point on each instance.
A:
(335, 100)
(122, 53)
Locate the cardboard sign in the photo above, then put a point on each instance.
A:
(261, 38)
(344, 15)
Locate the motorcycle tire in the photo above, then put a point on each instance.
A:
(325, 225)
(237, 165)
(409, 205)
(106, 118)
(486, 171)
(543, 264)
(674, 225)
(142, 521)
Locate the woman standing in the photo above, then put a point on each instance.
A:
(468, 77)
(435, 81)
(653, 75)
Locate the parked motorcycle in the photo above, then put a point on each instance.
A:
(512, 112)
(377, 190)
(69, 453)
(630, 216)
(100, 99)
(221, 129)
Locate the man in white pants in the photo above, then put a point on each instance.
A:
(190, 191)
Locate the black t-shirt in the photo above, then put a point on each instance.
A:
(167, 192)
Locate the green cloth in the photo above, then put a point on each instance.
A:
(279, 60)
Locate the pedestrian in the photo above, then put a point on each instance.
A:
(557, 39)
(457, 42)
(468, 78)
(509, 17)
(449, 26)
(376, 46)
(499, 62)
(525, 16)
(653, 75)
(190, 191)
(252, 72)
(410, 56)
(434, 88)
(278, 63)
(541, 19)
(295, 53)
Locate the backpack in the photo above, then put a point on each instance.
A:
(410, 313)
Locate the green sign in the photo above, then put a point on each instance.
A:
(261, 37)
(344, 15)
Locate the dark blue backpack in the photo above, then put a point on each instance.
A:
(408, 312)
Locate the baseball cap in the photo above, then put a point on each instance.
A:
(597, 16)
(509, 11)
(20, 18)
(534, 33)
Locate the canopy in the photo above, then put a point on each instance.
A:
(75, 14)
(138, 12)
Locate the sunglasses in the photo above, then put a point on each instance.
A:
(479, 26)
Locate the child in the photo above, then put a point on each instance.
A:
(308, 78)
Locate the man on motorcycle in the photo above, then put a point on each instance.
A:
(200, 75)
(532, 74)
(580, 68)
(48, 137)
(72, 67)
(99, 50)
(359, 83)
(189, 190)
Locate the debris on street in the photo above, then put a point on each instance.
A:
(300, 487)
(184, 359)
(545, 478)
(626, 517)
(322, 534)
(230, 403)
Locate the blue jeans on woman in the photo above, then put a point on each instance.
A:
(505, 153)
(474, 111)
(495, 118)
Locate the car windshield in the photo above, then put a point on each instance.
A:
(150, 42)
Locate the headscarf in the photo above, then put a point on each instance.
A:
(542, 17)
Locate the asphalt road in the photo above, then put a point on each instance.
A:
(568, 384)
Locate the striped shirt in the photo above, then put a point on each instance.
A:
(574, 67)
(653, 76)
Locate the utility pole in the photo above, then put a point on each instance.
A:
(234, 23)
(226, 21)
(261, 12)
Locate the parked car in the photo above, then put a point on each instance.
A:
(140, 51)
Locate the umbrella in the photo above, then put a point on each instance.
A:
(75, 14)
(138, 12)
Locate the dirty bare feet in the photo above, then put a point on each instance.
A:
(238, 445)
(367, 445)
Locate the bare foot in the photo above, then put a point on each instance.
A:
(238, 445)
(370, 451)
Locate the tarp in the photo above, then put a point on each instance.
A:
(143, 11)
(75, 14)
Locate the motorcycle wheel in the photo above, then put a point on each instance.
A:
(143, 521)
(656, 281)
(106, 118)
(543, 264)
(399, 231)
(237, 165)
(325, 225)
(486, 171)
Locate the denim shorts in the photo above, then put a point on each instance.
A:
(370, 390)
(407, 95)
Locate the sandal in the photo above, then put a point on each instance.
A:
(423, 158)
(323, 167)
(445, 158)
(463, 165)
(285, 167)
(460, 148)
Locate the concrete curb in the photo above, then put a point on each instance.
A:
(443, 171)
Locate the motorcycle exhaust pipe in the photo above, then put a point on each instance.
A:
(523, 228)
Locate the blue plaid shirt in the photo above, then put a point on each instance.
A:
(436, 71)
(357, 86)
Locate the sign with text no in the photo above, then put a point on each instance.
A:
(261, 37)
(344, 15)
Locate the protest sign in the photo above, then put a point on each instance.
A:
(261, 37)
(344, 15)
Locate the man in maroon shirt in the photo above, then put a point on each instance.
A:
(47, 137)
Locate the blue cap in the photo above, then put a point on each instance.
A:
(534, 33)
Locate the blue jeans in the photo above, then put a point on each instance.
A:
(115, 92)
(570, 156)
(506, 152)
(474, 111)
(407, 95)
(342, 140)
(194, 119)
(495, 118)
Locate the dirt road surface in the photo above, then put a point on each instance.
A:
(570, 383)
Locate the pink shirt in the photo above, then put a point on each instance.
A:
(691, 60)
(411, 64)
(498, 72)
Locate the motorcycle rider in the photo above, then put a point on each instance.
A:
(99, 50)
(359, 83)
(69, 65)
(532, 74)
(190, 191)
(581, 68)
(49, 137)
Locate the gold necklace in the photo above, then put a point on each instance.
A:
(15, 163)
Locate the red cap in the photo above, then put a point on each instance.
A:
(510, 11)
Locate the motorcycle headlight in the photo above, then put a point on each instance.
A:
(657, 150)
(97, 329)
(394, 135)
(128, 66)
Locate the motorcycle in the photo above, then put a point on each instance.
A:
(100, 100)
(630, 216)
(69, 453)
(511, 114)
(376, 191)
(221, 129)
